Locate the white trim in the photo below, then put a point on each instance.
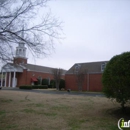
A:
(2, 79)
(9, 79)
(14, 80)
(40, 71)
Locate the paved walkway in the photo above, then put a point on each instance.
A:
(53, 91)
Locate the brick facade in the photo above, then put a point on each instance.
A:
(24, 78)
(18, 60)
(92, 82)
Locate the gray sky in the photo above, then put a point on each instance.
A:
(95, 30)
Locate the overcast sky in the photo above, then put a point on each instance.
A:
(95, 30)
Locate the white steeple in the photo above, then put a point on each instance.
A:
(21, 49)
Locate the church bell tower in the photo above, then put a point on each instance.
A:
(20, 56)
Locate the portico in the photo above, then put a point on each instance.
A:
(9, 76)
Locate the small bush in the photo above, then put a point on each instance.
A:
(62, 84)
(42, 86)
(25, 87)
(45, 82)
(52, 83)
(50, 86)
(39, 87)
(33, 87)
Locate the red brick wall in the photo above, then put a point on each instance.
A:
(25, 77)
(70, 82)
(95, 82)
(92, 82)
(20, 60)
(36, 75)
(22, 78)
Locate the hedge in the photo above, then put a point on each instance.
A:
(62, 84)
(52, 84)
(25, 87)
(33, 87)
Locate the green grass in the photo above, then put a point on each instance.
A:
(39, 105)
(6, 100)
(10, 127)
(28, 110)
(50, 114)
(2, 112)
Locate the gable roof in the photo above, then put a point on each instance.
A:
(90, 67)
(38, 68)
(11, 67)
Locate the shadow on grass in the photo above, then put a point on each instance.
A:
(119, 113)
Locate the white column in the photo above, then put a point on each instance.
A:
(14, 79)
(2, 79)
(9, 79)
(5, 78)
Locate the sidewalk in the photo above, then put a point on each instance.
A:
(54, 91)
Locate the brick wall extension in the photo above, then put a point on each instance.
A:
(92, 82)
(25, 77)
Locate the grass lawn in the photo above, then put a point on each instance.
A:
(33, 111)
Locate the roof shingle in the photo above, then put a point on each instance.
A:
(90, 67)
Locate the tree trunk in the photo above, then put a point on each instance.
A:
(57, 85)
(123, 106)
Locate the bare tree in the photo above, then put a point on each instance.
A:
(39, 33)
(79, 73)
(57, 73)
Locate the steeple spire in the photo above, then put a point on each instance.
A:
(22, 32)
(20, 56)
(21, 49)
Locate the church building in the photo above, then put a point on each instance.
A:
(21, 73)
(85, 76)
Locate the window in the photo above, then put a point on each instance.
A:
(77, 67)
(20, 52)
(17, 52)
(103, 65)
